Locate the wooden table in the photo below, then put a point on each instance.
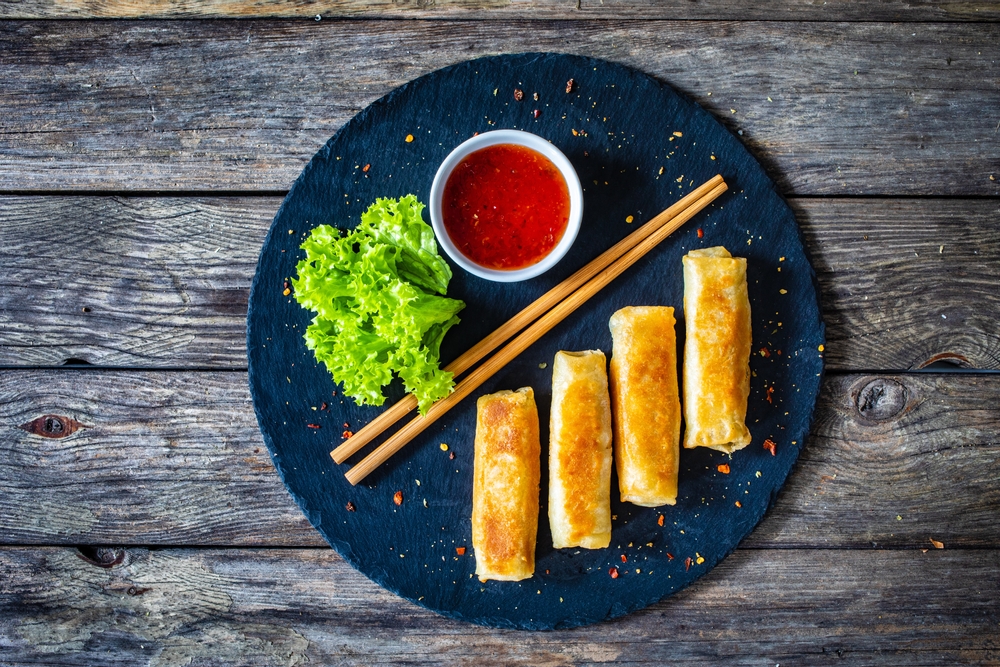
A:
(141, 161)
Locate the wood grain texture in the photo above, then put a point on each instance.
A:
(176, 458)
(829, 108)
(290, 607)
(836, 10)
(163, 282)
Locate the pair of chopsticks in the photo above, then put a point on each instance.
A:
(547, 311)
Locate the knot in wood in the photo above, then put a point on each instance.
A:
(881, 399)
(103, 557)
(51, 426)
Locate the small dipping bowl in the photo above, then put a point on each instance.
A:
(534, 143)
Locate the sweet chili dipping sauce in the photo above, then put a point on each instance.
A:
(505, 206)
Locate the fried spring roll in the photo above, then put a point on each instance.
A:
(505, 485)
(716, 350)
(647, 409)
(580, 451)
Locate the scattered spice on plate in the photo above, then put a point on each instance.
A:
(350, 506)
(536, 113)
(724, 468)
(346, 434)
(701, 233)
(629, 219)
(569, 86)
(444, 446)
(316, 426)
(770, 392)
(286, 291)
(624, 559)
(398, 497)
(322, 406)
(451, 456)
(518, 94)
(687, 563)
(700, 559)
(460, 551)
(534, 96)
(660, 520)
(366, 167)
(613, 572)
(764, 352)
(739, 504)
(769, 445)
(678, 134)
(409, 138)
(670, 556)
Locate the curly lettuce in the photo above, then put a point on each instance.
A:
(378, 295)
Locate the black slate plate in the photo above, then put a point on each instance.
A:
(638, 147)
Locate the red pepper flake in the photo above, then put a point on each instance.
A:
(770, 391)
(764, 352)
(312, 425)
(366, 168)
(460, 551)
(398, 498)
(660, 520)
(613, 572)
(346, 425)
(285, 284)
(451, 456)
(739, 504)
(346, 434)
(769, 445)
(536, 113)
(624, 559)
(687, 563)
(350, 506)
(670, 556)
(701, 233)
(778, 353)
(518, 94)
(569, 86)
(322, 406)
(724, 468)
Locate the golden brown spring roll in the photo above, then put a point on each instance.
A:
(716, 350)
(647, 409)
(505, 485)
(580, 451)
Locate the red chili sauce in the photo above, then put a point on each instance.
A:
(505, 206)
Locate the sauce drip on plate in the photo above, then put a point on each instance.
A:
(505, 206)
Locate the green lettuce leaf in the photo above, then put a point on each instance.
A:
(376, 295)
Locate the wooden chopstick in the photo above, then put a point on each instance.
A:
(528, 315)
(524, 340)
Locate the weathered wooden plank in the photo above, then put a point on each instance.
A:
(829, 108)
(176, 458)
(788, 10)
(888, 271)
(288, 607)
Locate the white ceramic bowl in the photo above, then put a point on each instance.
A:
(528, 140)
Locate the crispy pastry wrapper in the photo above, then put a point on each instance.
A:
(505, 485)
(580, 451)
(716, 350)
(646, 405)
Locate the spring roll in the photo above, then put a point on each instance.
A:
(716, 350)
(580, 451)
(647, 409)
(505, 485)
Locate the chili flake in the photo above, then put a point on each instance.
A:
(624, 559)
(701, 233)
(660, 520)
(322, 406)
(346, 434)
(724, 468)
(613, 572)
(569, 86)
(687, 563)
(764, 352)
(366, 168)
(536, 113)
(398, 498)
(770, 391)
(350, 506)
(670, 556)
(739, 504)
(769, 445)
(451, 456)
(518, 94)
(460, 551)
(312, 425)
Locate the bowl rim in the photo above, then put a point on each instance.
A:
(520, 138)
